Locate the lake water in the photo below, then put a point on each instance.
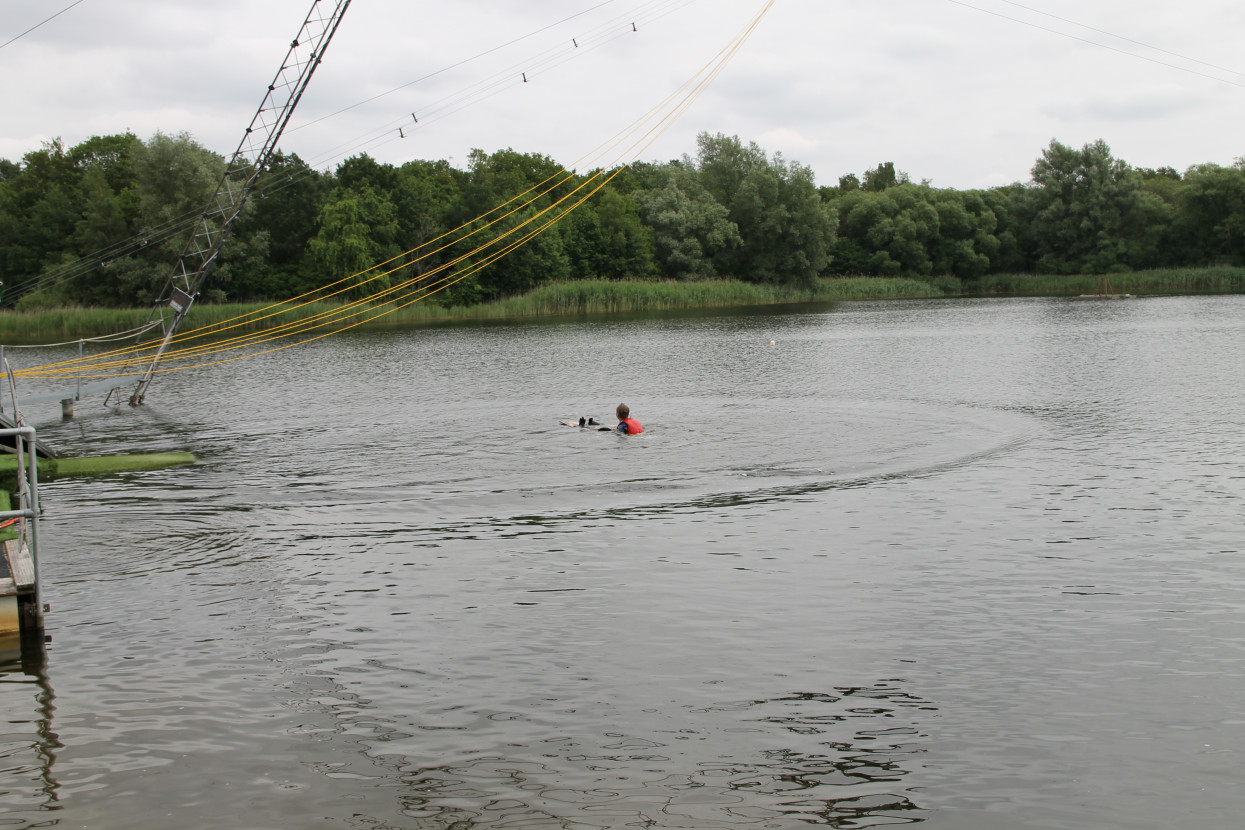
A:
(965, 564)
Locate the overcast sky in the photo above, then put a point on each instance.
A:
(964, 94)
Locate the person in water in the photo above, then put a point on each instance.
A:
(626, 424)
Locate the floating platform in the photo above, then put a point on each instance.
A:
(101, 464)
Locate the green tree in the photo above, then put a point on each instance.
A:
(882, 177)
(1210, 225)
(508, 197)
(919, 231)
(689, 226)
(1088, 205)
(902, 239)
(785, 228)
(111, 155)
(358, 172)
(174, 180)
(606, 239)
(284, 210)
(493, 181)
(43, 202)
(100, 228)
(357, 230)
(426, 198)
(887, 233)
(1012, 206)
(967, 245)
(541, 258)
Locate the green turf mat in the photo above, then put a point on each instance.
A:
(102, 464)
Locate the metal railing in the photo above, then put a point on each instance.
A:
(27, 473)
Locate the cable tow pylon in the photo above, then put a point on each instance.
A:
(471, 247)
(258, 143)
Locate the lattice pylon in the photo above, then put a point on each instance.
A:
(248, 161)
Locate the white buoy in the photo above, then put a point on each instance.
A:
(773, 343)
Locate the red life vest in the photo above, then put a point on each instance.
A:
(633, 426)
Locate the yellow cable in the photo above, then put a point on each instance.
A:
(362, 306)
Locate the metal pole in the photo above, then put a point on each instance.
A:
(141, 389)
(19, 445)
(77, 395)
(33, 461)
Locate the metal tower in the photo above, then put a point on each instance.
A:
(248, 161)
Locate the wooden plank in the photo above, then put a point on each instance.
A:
(10, 546)
(20, 564)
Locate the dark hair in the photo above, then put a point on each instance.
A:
(622, 412)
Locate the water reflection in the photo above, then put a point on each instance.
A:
(838, 759)
(31, 745)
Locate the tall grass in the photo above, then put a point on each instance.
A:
(605, 297)
(68, 325)
(1222, 279)
(570, 298)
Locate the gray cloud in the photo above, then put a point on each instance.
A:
(962, 98)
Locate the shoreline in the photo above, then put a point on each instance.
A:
(591, 297)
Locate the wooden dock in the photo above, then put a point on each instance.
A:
(20, 612)
(20, 566)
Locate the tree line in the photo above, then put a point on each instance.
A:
(101, 223)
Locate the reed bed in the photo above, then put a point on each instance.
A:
(1220, 279)
(71, 324)
(606, 297)
(67, 325)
